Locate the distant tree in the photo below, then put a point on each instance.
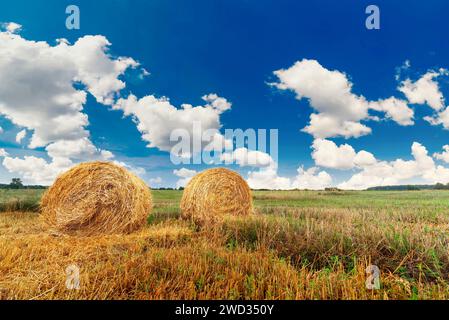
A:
(332, 189)
(441, 186)
(16, 183)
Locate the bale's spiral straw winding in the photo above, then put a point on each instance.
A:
(215, 192)
(97, 198)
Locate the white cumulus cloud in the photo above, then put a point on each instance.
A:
(3, 153)
(37, 170)
(248, 158)
(268, 178)
(339, 111)
(424, 91)
(11, 27)
(80, 149)
(38, 93)
(327, 154)
(157, 118)
(444, 155)
(185, 176)
(312, 179)
(154, 181)
(20, 135)
(44, 89)
(382, 173)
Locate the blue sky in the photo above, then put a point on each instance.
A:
(232, 48)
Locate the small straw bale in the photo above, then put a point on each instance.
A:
(214, 193)
(96, 198)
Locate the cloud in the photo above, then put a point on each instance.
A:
(54, 81)
(440, 118)
(154, 181)
(20, 135)
(399, 70)
(185, 174)
(312, 178)
(11, 27)
(364, 158)
(327, 154)
(268, 178)
(3, 153)
(139, 171)
(443, 156)
(37, 170)
(63, 154)
(322, 125)
(81, 149)
(216, 102)
(382, 173)
(38, 92)
(244, 158)
(424, 91)
(338, 110)
(44, 89)
(157, 119)
(395, 109)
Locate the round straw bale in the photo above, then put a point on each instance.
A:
(96, 198)
(214, 193)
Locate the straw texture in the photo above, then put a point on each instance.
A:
(214, 193)
(96, 198)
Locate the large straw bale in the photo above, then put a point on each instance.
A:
(96, 198)
(214, 193)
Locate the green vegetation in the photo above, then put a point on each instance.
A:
(16, 183)
(20, 199)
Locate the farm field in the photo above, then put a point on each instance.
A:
(297, 245)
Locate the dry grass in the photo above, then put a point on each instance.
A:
(319, 238)
(281, 252)
(170, 261)
(96, 198)
(214, 193)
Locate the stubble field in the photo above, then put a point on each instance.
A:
(297, 245)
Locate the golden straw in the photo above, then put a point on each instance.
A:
(214, 193)
(96, 198)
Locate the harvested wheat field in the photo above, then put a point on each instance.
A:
(297, 245)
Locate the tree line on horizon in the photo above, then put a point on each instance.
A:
(16, 183)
